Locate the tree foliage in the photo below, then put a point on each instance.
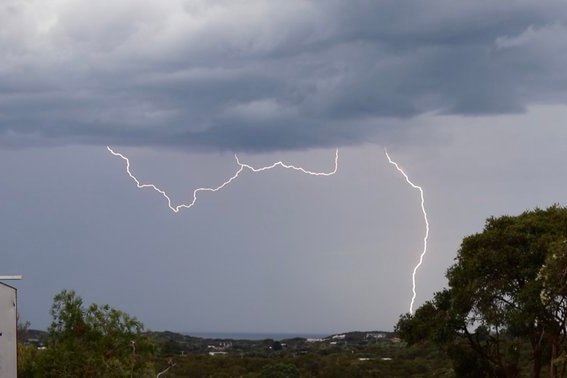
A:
(508, 285)
(96, 341)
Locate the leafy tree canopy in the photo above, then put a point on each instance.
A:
(93, 341)
(508, 285)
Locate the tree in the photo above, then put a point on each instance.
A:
(276, 345)
(98, 341)
(507, 286)
(553, 278)
(27, 354)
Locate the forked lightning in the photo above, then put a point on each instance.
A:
(241, 167)
(424, 251)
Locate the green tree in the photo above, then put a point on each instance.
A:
(27, 354)
(97, 341)
(553, 278)
(507, 286)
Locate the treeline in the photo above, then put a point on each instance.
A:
(100, 341)
(504, 312)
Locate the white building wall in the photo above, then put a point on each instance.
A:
(8, 325)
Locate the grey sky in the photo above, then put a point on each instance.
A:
(468, 96)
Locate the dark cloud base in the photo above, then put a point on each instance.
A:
(307, 78)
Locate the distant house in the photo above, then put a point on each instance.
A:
(8, 325)
(375, 335)
(220, 346)
(217, 353)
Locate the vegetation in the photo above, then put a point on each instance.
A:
(504, 312)
(357, 354)
(97, 341)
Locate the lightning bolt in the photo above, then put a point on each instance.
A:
(424, 251)
(286, 166)
(241, 168)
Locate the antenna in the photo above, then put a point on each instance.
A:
(13, 277)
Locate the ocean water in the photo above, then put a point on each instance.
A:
(254, 335)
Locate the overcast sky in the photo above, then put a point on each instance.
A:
(469, 97)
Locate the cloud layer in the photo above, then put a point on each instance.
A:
(262, 76)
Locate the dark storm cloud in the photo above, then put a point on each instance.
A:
(265, 76)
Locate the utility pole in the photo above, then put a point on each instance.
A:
(8, 328)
